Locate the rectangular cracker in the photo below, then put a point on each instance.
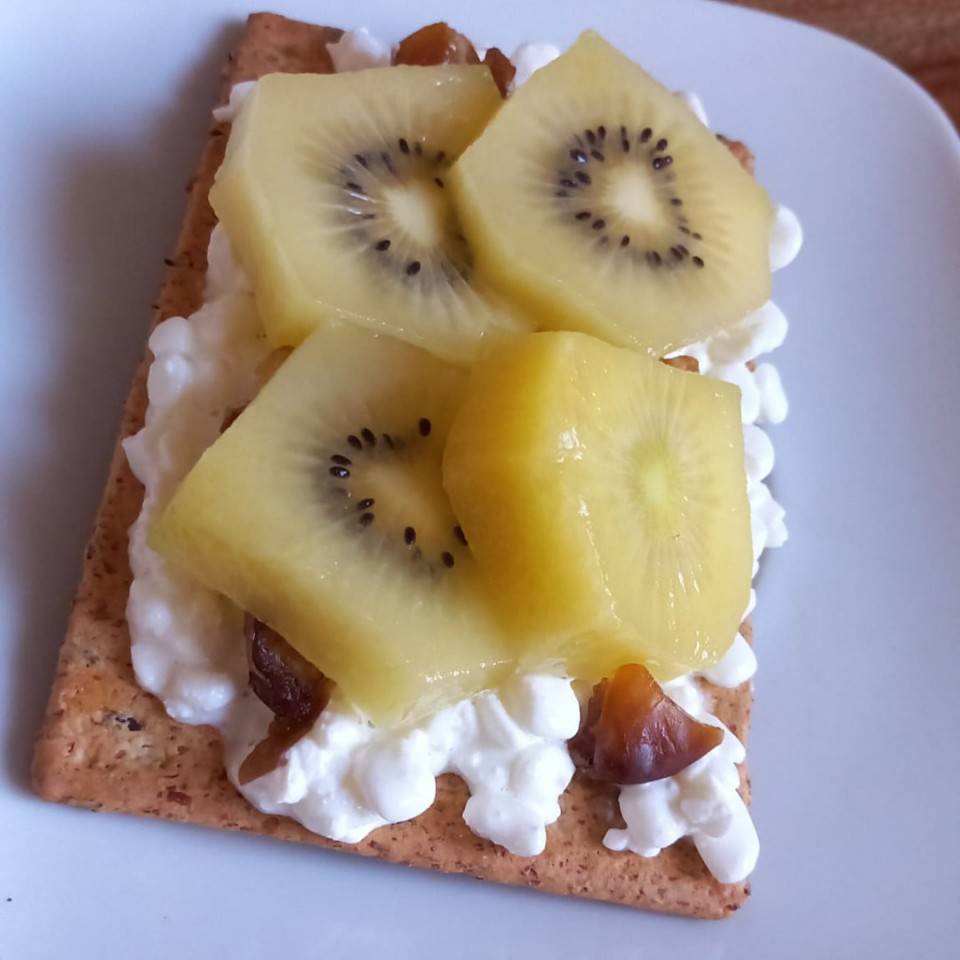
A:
(105, 744)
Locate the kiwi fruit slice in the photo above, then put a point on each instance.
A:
(597, 199)
(334, 195)
(604, 496)
(321, 512)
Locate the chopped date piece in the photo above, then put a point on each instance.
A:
(634, 733)
(690, 364)
(502, 69)
(267, 755)
(740, 150)
(440, 43)
(289, 684)
(230, 417)
(583, 745)
(433, 44)
(292, 687)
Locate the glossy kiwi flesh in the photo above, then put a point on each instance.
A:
(321, 512)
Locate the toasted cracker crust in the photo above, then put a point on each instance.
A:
(106, 744)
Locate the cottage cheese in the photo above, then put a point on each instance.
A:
(348, 777)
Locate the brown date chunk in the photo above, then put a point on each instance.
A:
(502, 68)
(634, 733)
(433, 44)
(440, 43)
(267, 755)
(292, 687)
(230, 418)
(690, 364)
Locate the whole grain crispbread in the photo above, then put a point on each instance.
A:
(106, 744)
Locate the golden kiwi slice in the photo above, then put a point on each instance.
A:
(597, 199)
(334, 195)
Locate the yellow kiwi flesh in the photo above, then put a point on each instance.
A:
(321, 511)
(333, 194)
(599, 201)
(604, 496)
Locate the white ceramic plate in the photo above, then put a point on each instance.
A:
(854, 755)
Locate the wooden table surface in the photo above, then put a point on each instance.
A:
(921, 37)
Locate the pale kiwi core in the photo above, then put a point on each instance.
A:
(656, 482)
(630, 196)
(418, 210)
(410, 495)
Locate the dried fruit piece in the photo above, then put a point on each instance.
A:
(292, 687)
(289, 684)
(502, 68)
(690, 364)
(267, 755)
(439, 43)
(434, 44)
(634, 733)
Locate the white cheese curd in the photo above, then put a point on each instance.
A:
(694, 105)
(762, 400)
(358, 50)
(238, 96)
(737, 666)
(347, 777)
(786, 238)
(528, 58)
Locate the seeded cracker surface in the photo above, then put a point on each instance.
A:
(106, 744)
